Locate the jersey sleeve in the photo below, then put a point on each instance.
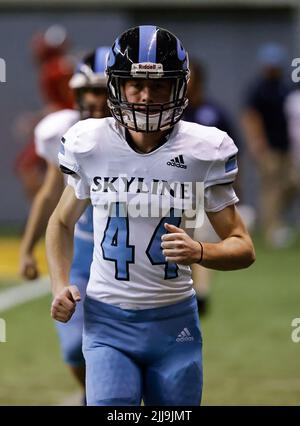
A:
(66, 155)
(218, 189)
(69, 164)
(217, 197)
(80, 186)
(46, 147)
(224, 168)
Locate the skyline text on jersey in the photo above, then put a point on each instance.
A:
(150, 198)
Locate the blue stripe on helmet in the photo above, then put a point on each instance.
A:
(147, 47)
(100, 59)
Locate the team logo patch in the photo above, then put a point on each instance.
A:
(177, 162)
(62, 148)
(231, 164)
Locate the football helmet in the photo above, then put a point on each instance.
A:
(90, 76)
(90, 72)
(147, 52)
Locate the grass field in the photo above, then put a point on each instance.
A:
(249, 357)
(31, 369)
(32, 372)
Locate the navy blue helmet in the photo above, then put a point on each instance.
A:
(90, 72)
(90, 76)
(147, 52)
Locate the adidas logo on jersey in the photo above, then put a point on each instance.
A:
(184, 336)
(177, 162)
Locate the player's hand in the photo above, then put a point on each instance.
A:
(28, 267)
(64, 303)
(179, 247)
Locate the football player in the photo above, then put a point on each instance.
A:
(142, 336)
(89, 86)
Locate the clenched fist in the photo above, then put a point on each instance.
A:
(179, 247)
(64, 303)
(28, 267)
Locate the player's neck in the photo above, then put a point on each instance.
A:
(147, 142)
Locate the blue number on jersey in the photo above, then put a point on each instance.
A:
(154, 251)
(115, 244)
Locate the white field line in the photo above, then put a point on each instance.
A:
(23, 293)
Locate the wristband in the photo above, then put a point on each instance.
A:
(201, 256)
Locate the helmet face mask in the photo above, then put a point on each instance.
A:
(142, 117)
(146, 44)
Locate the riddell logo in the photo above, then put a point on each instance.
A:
(147, 66)
(177, 162)
(156, 70)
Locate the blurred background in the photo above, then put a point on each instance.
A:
(242, 53)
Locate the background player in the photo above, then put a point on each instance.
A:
(140, 311)
(266, 133)
(89, 86)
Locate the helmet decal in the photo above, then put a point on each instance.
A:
(113, 52)
(180, 51)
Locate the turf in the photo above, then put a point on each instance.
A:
(31, 369)
(8, 283)
(249, 357)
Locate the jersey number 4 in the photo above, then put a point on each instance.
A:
(116, 248)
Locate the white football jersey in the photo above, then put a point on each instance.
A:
(48, 132)
(129, 269)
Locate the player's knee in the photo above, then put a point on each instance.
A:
(178, 386)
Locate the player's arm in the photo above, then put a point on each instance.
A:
(235, 251)
(41, 209)
(59, 247)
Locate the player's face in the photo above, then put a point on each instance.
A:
(146, 91)
(94, 103)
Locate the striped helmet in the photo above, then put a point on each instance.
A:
(147, 52)
(90, 76)
(90, 72)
